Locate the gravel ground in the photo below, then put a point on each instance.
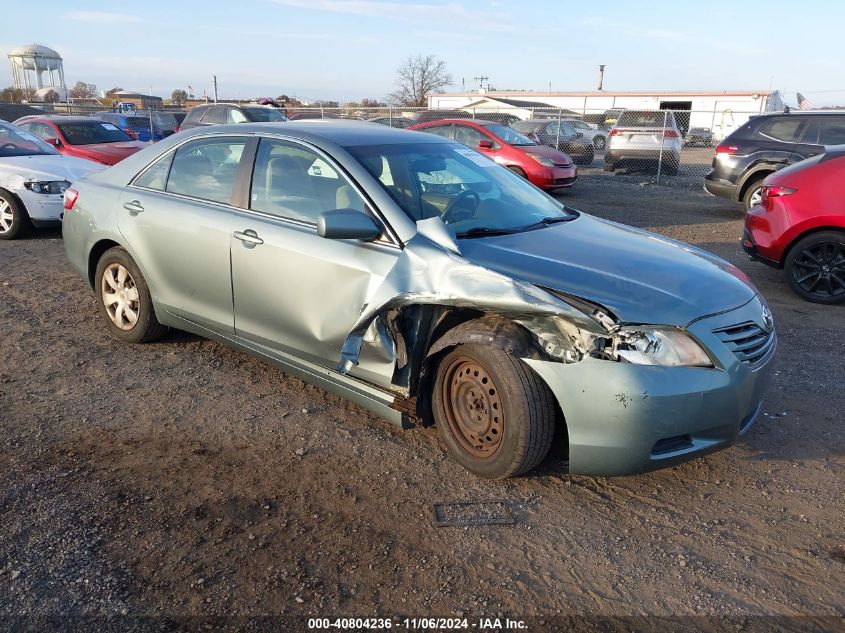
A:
(182, 481)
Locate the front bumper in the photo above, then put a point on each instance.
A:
(43, 208)
(625, 419)
(556, 178)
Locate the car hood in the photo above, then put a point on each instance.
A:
(47, 167)
(110, 153)
(639, 276)
(545, 151)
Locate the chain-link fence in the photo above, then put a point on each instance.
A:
(666, 146)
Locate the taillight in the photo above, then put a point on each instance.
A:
(70, 199)
(727, 149)
(767, 192)
(670, 134)
(615, 132)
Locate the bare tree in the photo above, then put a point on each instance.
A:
(51, 97)
(418, 77)
(179, 96)
(83, 91)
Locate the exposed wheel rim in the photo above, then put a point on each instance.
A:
(599, 143)
(819, 269)
(7, 217)
(473, 407)
(120, 296)
(756, 197)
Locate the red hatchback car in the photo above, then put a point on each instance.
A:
(800, 226)
(83, 137)
(543, 166)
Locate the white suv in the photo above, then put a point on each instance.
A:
(644, 138)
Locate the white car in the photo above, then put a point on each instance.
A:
(33, 179)
(645, 138)
(596, 136)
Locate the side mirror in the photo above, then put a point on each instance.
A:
(55, 142)
(485, 144)
(347, 224)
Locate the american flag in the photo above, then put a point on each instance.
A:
(803, 104)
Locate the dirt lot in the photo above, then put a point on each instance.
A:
(181, 481)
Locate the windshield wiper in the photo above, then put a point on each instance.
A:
(484, 231)
(552, 219)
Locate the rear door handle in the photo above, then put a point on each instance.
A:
(248, 237)
(133, 207)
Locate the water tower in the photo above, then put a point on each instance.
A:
(29, 65)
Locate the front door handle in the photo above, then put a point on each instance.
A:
(249, 237)
(133, 207)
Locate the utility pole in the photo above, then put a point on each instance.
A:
(481, 80)
(215, 88)
(601, 76)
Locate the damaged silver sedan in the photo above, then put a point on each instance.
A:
(421, 280)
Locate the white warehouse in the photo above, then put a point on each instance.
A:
(720, 111)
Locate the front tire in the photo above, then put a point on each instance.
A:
(495, 415)
(815, 267)
(124, 298)
(14, 220)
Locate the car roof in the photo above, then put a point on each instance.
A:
(345, 133)
(480, 122)
(64, 118)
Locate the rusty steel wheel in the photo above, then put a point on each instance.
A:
(495, 415)
(473, 407)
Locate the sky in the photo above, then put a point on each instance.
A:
(346, 50)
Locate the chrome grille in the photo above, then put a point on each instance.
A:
(748, 341)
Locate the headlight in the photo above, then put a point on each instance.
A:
(50, 186)
(668, 348)
(541, 159)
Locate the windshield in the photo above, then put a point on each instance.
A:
(17, 142)
(471, 193)
(509, 135)
(88, 133)
(264, 115)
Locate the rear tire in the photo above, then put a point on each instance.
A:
(14, 220)
(599, 142)
(124, 298)
(751, 197)
(609, 167)
(495, 415)
(804, 267)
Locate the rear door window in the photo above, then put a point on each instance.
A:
(207, 168)
(832, 131)
(440, 130)
(215, 114)
(783, 129)
(155, 176)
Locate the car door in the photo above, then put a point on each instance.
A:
(177, 219)
(294, 291)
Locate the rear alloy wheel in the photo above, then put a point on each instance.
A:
(494, 414)
(753, 195)
(14, 222)
(124, 298)
(815, 267)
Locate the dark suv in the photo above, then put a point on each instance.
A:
(215, 113)
(765, 144)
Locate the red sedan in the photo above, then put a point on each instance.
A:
(543, 166)
(83, 137)
(800, 226)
